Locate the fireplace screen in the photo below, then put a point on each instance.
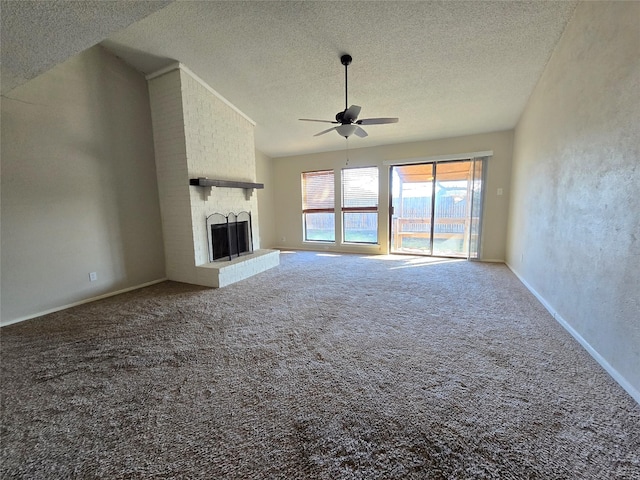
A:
(229, 235)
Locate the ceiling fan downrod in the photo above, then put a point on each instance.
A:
(346, 61)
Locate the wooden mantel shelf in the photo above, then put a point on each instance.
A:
(208, 182)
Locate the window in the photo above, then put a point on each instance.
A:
(318, 206)
(360, 205)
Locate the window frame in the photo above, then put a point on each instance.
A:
(361, 209)
(306, 211)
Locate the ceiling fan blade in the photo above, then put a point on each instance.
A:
(314, 120)
(360, 132)
(351, 113)
(376, 121)
(325, 131)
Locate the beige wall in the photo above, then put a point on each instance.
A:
(574, 234)
(79, 190)
(266, 200)
(288, 195)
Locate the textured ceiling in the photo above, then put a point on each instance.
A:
(444, 68)
(37, 35)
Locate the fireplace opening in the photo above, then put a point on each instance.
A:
(229, 235)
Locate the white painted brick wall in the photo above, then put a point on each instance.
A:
(173, 181)
(220, 145)
(196, 134)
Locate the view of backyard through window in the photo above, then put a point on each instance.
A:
(435, 207)
(318, 206)
(320, 227)
(359, 205)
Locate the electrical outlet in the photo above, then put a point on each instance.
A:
(93, 276)
(499, 192)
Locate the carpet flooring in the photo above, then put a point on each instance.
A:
(326, 367)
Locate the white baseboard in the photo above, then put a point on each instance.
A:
(630, 389)
(81, 302)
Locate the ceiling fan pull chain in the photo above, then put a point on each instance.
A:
(347, 140)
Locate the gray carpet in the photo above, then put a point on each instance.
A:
(327, 367)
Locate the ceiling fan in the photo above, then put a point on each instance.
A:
(347, 120)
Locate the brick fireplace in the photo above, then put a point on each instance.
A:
(199, 135)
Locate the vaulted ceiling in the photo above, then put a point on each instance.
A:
(444, 68)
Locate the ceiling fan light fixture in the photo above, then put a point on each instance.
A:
(347, 130)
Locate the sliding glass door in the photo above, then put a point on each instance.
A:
(435, 208)
(412, 208)
(451, 216)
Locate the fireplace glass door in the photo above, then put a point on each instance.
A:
(229, 235)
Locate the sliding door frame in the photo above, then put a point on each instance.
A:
(472, 157)
(483, 183)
